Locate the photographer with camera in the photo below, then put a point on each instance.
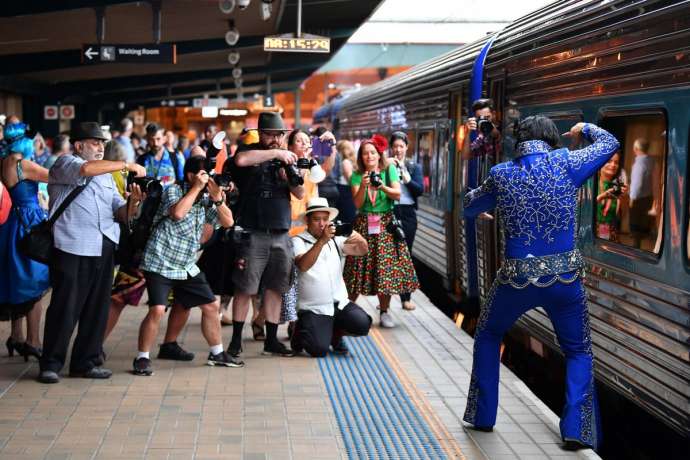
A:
(612, 186)
(169, 261)
(387, 268)
(411, 187)
(488, 141)
(265, 175)
(165, 167)
(325, 313)
(85, 236)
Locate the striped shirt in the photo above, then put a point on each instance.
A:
(91, 216)
(171, 249)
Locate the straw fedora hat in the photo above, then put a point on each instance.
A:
(319, 204)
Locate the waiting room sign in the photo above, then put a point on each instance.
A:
(140, 54)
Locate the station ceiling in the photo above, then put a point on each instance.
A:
(42, 41)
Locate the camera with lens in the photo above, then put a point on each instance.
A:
(617, 187)
(149, 185)
(375, 179)
(342, 228)
(485, 126)
(222, 180)
(294, 177)
(394, 227)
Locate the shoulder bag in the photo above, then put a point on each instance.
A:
(37, 244)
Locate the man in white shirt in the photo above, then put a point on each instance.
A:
(324, 311)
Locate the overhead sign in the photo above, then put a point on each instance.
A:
(140, 54)
(289, 43)
(210, 102)
(67, 112)
(50, 112)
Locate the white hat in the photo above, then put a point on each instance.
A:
(320, 204)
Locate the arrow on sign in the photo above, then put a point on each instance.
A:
(89, 53)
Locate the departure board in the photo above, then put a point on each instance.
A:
(298, 45)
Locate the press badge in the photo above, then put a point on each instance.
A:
(373, 224)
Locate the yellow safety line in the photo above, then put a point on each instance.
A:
(440, 431)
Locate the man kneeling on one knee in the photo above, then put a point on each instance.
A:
(324, 312)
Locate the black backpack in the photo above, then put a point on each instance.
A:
(133, 237)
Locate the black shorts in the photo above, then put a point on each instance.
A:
(189, 293)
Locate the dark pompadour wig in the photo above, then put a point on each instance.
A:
(539, 128)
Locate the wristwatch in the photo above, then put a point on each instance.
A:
(124, 169)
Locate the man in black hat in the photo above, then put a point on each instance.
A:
(81, 269)
(264, 252)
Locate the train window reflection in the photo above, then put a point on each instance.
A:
(629, 187)
(425, 155)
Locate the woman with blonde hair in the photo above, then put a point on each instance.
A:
(387, 268)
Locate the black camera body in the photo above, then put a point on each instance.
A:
(222, 180)
(485, 126)
(342, 228)
(394, 227)
(294, 177)
(375, 179)
(617, 187)
(149, 185)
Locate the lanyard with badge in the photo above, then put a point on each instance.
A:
(373, 220)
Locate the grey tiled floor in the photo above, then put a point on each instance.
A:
(272, 409)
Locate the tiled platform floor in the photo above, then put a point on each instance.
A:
(273, 408)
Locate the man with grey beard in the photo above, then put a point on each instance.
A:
(81, 269)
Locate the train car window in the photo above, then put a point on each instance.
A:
(412, 145)
(629, 190)
(441, 186)
(509, 130)
(426, 157)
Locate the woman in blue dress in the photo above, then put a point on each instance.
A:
(24, 281)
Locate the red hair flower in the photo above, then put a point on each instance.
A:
(380, 143)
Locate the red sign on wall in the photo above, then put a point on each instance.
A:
(67, 112)
(50, 112)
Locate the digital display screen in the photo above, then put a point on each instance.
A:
(300, 45)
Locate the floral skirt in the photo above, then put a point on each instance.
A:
(387, 267)
(128, 287)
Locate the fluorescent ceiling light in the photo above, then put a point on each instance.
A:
(209, 112)
(233, 112)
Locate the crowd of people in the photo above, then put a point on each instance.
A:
(295, 223)
(297, 226)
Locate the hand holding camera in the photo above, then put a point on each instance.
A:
(285, 156)
(375, 179)
(327, 234)
(214, 190)
(137, 169)
(483, 124)
(200, 180)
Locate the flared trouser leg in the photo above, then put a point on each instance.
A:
(580, 419)
(566, 305)
(503, 306)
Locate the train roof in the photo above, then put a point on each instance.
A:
(552, 53)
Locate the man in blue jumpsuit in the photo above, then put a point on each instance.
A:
(536, 198)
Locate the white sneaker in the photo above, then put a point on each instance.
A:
(386, 320)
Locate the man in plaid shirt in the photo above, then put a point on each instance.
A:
(169, 261)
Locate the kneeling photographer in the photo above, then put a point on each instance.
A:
(324, 312)
(169, 261)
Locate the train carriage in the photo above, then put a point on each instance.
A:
(622, 64)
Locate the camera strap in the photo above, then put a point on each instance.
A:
(337, 249)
